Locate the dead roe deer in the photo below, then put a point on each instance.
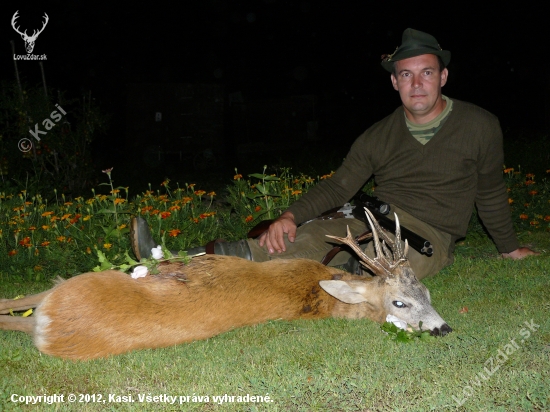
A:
(105, 313)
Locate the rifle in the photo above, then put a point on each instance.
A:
(378, 208)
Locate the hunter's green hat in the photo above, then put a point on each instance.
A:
(414, 43)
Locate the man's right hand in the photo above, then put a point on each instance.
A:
(273, 238)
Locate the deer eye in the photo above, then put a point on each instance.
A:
(399, 304)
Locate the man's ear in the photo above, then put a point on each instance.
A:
(394, 82)
(444, 75)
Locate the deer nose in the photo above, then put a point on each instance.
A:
(441, 331)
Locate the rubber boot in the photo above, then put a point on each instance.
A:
(142, 243)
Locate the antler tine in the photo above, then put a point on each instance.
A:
(15, 17)
(380, 230)
(376, 229)
(372, 264)
(387, 252)
(398, 250)
(37, 32)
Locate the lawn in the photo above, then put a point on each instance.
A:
(496, 359)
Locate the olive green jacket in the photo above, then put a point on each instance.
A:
(438, 182)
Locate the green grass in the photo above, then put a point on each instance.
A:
(334, 364)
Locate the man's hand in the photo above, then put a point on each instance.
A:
(273, 237)
(520, 253)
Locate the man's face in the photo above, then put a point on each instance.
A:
(419, 83)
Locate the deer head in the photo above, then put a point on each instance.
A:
(29, 40)
(400, 293)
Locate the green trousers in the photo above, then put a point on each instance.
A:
(311, 243)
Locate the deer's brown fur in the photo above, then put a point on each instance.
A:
(105, 313)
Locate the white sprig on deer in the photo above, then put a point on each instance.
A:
(100, 314)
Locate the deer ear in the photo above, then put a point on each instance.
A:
(344, 291)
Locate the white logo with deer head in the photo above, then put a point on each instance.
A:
(29, 40)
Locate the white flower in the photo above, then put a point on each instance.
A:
(157, 252)
(139, 272)
(401, 324)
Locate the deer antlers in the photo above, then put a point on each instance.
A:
(29, 40)
(386, 261)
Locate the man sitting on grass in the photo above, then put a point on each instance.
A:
(433, 158)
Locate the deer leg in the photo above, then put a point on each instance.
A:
(17, 323)
(25, 303)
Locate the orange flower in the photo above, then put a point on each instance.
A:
(61, 238)
(45, 227)
(194, 219)
(238, 176)
(26, 242)
(86, 218)
(249, 218)
(211, 194)
(510, 201)
(88, 250)
(529, 176)
(47, 214)
(146, 209)
(186, 200)
(174, 232)
(257, 208)
(509, 170)
(523, 216)
(327, 176)
(32, 228)
(68, 203)
(66, 216)
(119, 200)
(547, 218)
(75, 219)
(155, 212)
(164, 215)
(107, 246)
(529, 182)
(296, 192)
(199, 192)
(115, 191)
(12, 253)
(45, 243)
(175, 207)
(191, 185)
(533, 192)
(533, 222)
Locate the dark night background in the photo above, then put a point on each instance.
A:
(269, 49)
